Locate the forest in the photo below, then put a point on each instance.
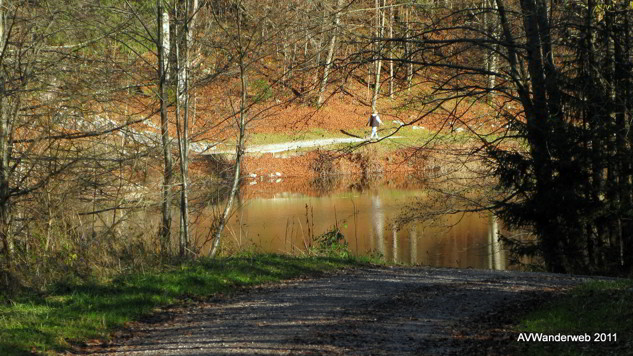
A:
(106, 108)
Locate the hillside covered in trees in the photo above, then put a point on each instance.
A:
(104, 105)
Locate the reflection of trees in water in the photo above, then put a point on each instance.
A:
(205, 203)
(324, 184)
(496, 255)
(327, 170)
(394, 236)
(413, 243)
(216, 186)
(378, 222)
(366, 182)
(464, 239)
(457, 187)
(458, 240)
(210, 193)
(215, 165)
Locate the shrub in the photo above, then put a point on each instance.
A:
(332, 244)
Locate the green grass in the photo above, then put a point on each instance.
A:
(282, 137)
(596, 307)
(408, 137)
(405, 137)
(71, 313)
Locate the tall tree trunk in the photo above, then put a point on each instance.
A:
(181, 45)
(187, 16)
(5, 204)
(491, 27)
(5, 154)
(330, 51)
(391, 49)
(163, 57)
(552, 84)
(407, 48)
(286, 66)
(380, 20)
(239, 149)
(191, 10)
(493, 58)
(534, 102)
(539, 124)
(626, 242)
(319, 44)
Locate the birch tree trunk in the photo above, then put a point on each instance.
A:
(330, 52)
(491, 26)
(391, 49)
(182, 111)
(181, 79)
(380, 19)
(239, 149)
(163, 57)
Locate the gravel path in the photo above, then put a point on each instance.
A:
(381, 311)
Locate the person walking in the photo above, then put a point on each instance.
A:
(374, 122)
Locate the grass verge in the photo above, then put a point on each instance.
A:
(75, 313)
(602, 310)
(292, 136)
(406, 137)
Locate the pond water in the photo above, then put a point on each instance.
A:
(288, 222)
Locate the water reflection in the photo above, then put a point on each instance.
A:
(284, 224)
(496, 259)
(378, 223)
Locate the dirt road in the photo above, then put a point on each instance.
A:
(382, 311)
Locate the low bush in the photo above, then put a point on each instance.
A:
(331, 244)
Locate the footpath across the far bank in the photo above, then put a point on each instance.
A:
(296, 145)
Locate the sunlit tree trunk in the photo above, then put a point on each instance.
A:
(407, 49)
(391, 49)
(163, 58)
(330, 52)
(183, 49)
(239, 149)
(491, 59)
(380, 20)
